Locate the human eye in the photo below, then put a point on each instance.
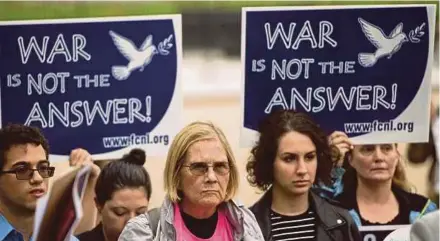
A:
(310, 156)
(119, 211)
(289, 157)
(367, 149)
(221, 167)
(199, 167)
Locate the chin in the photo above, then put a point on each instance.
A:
(210, 202)
(299, 191)
(31, 206)
(380, 179)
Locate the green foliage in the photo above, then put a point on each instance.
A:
(12, 10)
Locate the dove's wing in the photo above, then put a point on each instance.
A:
(125, 45)
(396, 30)
(373, 33)
(148, 41)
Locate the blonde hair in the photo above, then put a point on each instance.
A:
(399, 178)
(190, 134)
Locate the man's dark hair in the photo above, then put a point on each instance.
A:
(16, 134)
(128, 172)
(261, 162)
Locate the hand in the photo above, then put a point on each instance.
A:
(342, 142)
(80, 157)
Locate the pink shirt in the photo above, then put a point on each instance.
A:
(223, 231)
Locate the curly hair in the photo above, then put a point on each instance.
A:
(261, 162)
(16, 134)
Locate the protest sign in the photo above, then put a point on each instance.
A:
(364, 70)
(60, 211)
(385, 232)
(103, 84)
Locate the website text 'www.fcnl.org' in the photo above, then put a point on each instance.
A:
(376, 125)
(133, 139)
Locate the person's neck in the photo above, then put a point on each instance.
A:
(373, 192)
(196, 211)
(288, 204)
(22, 223)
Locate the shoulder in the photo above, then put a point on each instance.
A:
(94, 234)
(417, 202)
(137, 229)
(426, 228)
(251, 228)
(140, 220)
(245, 212)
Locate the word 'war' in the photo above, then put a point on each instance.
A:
(115, 111)
(318, 99)
(325, 29)
(46, 52)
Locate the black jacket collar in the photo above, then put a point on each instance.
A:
(327, 217)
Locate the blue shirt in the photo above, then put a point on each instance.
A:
(8, 233)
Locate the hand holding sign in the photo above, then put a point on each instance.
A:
(80, 158)
(341, 141)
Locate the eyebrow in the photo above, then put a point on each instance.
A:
(292, 153)
(27, 163)
(116, 207)
(20, 163)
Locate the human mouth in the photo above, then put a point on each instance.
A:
(301, 183)
(37, 192)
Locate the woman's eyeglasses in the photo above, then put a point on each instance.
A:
(25, 172)
(201, 168)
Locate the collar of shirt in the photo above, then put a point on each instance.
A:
(7, 231)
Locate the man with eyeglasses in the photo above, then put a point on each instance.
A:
(24, 178)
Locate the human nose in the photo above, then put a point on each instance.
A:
(210, 174)
(378, 154)
(36, 178)
(301, 169)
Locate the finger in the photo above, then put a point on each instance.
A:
(73, 157)
(338, 134)
(343, 148)
(340, 139)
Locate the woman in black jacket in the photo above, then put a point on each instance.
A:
(292, 155)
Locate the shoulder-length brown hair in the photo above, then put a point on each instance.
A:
(260, 164)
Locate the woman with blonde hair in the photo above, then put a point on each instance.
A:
(200, 180)
(374, 187)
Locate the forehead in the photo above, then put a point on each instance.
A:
(370, 146)
(129, 197)
(24, 153)
(295, 142)
(206, 150)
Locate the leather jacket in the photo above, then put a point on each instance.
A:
(333, 223)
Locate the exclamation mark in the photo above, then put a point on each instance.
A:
(393, 96)
(148, 104)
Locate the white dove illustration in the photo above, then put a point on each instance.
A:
(386, 45)
(138, 59)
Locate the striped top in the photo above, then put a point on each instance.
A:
(293, 228)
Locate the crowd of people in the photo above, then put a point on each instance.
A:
(316, 187)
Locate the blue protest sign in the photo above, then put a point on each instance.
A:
(364, 70)
(103, 84)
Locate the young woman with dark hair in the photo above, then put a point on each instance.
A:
(123, 190)
(291, 156)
